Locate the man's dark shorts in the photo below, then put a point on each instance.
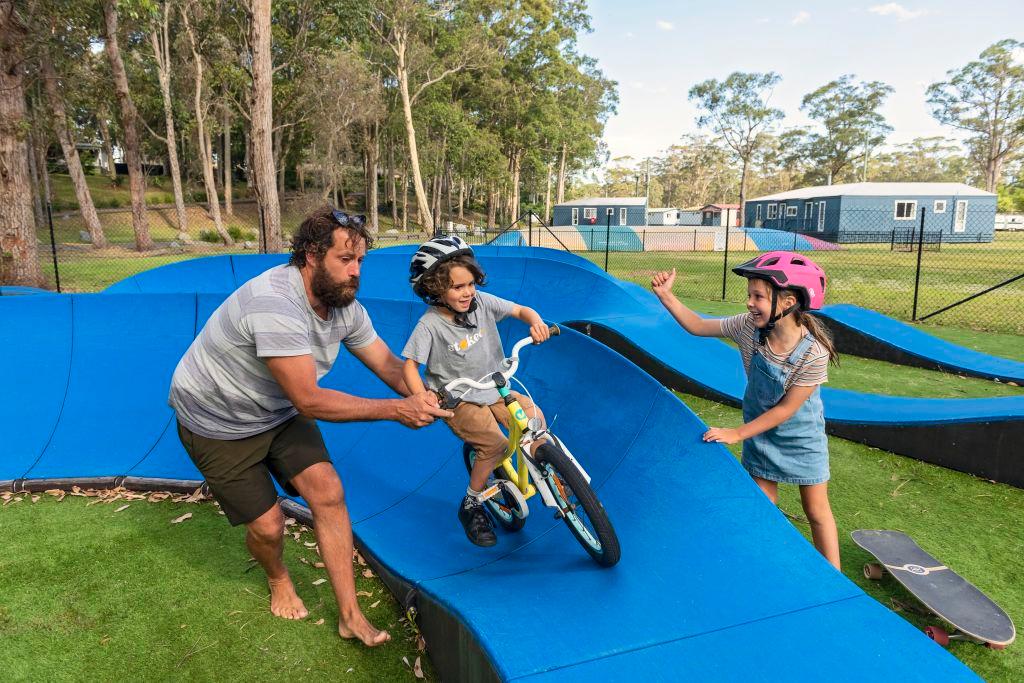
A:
(238, 472)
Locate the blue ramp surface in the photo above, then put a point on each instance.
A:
(874, 335)
(712, 575)
(978, 436)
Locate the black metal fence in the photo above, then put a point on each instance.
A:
(972, 278)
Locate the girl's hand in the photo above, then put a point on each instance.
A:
(539, 332)
(722, 435)
(662, 282)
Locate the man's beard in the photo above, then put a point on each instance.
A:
(333, 294)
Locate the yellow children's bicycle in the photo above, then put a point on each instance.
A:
(537, 461)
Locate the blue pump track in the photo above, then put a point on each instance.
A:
(977, 436)
(712, 577)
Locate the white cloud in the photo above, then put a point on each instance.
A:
(801, 17)
(639, 85)
(629, 34)
(764, 20)
(665, 25)
(894, 9)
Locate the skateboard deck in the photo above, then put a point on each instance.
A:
(940, 589)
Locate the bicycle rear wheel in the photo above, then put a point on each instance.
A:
(504, 508)
(582, 511)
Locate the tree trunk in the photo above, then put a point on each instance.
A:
(264, 184)
(161, 42)
(33, 175)
(516, 163)
(547, 197)
(405, 203)
(372, 153)
(492, 206)
(462, 199)
(203, 136)
(19, 264)
(108, 145)
(743, 194)
(561, 174)
(44, 172)
(67, 144)
(410, 132)
(129, 120)
(393, 184)
(229, 206)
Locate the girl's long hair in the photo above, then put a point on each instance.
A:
(820, 332)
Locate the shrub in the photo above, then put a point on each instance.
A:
(240, 235)
(209, 236)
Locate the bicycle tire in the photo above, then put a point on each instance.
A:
(567, 483)
(506, 512)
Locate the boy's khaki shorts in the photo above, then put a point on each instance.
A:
(478, 426)
(238, 471)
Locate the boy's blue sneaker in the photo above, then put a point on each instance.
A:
(476, 522)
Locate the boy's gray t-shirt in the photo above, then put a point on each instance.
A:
(449, 351)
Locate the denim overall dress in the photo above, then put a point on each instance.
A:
(795, 452)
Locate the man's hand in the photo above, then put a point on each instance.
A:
(420, 409)
(662, 283)
(539, 332)
(722, 435)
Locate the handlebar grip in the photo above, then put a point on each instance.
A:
(554, 330)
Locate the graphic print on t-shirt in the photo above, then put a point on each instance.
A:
(467, 341)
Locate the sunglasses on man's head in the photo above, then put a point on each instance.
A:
(346, 220)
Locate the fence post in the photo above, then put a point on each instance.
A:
(643, 239)
(917, 274)
(794, 241)
(892, 239)
(529, 228)
(695, 239)
(53, 244)
(607, 237)
(725, 259)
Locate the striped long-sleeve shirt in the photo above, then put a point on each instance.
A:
(809, 371)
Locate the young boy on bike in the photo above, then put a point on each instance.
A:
(458, 337)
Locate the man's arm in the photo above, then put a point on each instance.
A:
(297, 377)
(378, 358)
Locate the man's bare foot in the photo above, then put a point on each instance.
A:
(284, 602)
(364, 631)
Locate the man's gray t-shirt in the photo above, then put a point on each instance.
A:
(222, 388)
(450, 351)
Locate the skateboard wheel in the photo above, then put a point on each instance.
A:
(873, 570)
(938, 634)
(995, 646)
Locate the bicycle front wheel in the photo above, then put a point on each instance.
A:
(582, 511)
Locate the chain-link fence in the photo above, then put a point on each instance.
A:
(949, 268)
(937, 268)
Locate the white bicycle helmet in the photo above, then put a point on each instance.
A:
(432, 253)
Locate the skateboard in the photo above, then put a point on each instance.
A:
(945, 593)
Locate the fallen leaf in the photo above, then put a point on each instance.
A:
(350, 670)
(319, 622)
(367, 574)
(310, 544)
(290, 521)
(178, 520)
(319, 581)
(406, 660)
(318, 565)
(374, 604)
(303, 560)
(421, 644)
(123, 507)
(158, 496)
(364, 594)
(417, 669)
(35, 499)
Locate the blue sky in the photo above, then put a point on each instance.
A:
(657, 50)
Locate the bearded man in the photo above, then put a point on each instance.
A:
(247, 398)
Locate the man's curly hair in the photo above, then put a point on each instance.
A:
(435, 283)
(315, 235)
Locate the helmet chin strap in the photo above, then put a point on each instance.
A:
(462, 318)
(762, 334)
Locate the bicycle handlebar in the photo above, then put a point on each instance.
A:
(512, 361)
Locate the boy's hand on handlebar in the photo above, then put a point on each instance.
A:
(722, 435)
(420, 409)
(662, 282)
(540, 333)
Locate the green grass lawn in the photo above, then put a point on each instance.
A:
(87, 592)
(969, 524)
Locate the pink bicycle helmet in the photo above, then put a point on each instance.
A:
(789, 270)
